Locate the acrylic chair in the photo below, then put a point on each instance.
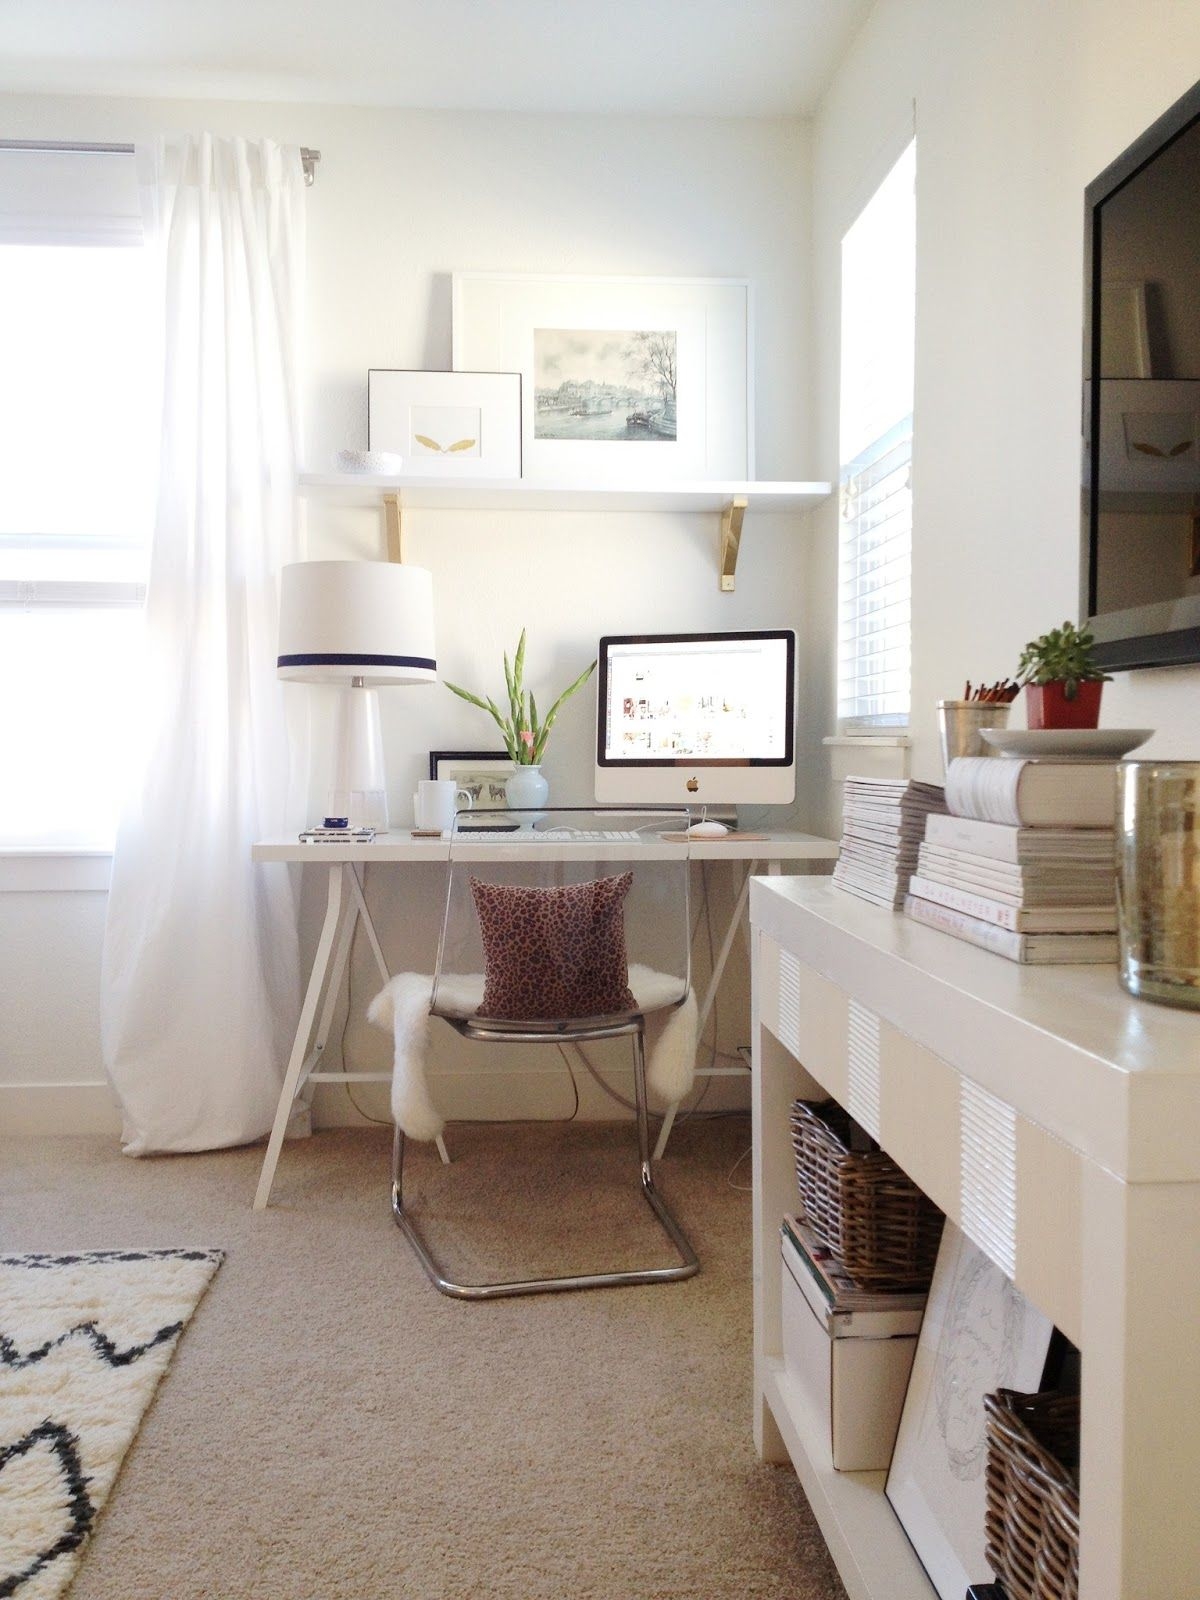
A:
(578, 934)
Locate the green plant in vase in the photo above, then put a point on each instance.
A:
(1062, 680)
(524, 732)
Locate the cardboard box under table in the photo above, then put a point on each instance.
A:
(850, 1350)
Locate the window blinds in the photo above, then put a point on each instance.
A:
(875, 566)
(62, 197)
(875, 525)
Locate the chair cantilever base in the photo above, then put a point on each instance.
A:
(689, 1264)
(688, 1267)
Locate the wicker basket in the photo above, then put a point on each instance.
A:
(860, 1205)
(1032, 1520)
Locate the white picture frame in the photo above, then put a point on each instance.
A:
(595, 334)
(447, 424)
(979, 1333)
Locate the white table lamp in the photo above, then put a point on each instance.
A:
(362, 625)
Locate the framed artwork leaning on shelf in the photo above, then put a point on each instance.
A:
(626, 380)
(979, 1333)
(447, 424)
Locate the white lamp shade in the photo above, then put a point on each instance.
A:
(372, 620)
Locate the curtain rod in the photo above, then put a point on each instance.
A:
(308, 158)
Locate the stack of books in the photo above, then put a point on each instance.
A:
(883, 822)
(1024, 863)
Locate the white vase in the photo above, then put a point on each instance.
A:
(526, 789)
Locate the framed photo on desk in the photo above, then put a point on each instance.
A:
(482, 773)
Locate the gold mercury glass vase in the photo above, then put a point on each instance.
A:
(1158, 879)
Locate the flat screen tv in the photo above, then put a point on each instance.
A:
(1140, 572)
(696, 718)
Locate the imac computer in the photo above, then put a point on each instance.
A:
(699, 719)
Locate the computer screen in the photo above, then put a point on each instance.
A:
(698, 718)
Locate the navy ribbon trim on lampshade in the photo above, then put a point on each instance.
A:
(339, 659)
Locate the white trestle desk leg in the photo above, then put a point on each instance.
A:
(296, 1061)
(664, 1133)
(361, 901)
(333, 987)
(736, 921)
(364, 913)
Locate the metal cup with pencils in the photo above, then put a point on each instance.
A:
(959, 721)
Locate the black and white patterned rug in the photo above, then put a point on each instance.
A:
(84, 1340)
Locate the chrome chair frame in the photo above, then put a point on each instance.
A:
(567, 1031)
(494, 1033)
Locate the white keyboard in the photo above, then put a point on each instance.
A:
(544, 836)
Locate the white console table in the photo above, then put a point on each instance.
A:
(1057, 1121)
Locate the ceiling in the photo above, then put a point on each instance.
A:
(673, 57)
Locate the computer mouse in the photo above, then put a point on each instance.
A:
(707, 830)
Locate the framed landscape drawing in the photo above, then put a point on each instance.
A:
(447, 424)
(624, 380)
(979, 1333)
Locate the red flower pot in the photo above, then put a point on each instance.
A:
(1046, 706)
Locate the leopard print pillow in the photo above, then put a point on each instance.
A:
(554, 953)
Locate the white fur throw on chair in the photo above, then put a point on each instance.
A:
(403, 1006)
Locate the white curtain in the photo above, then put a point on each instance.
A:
(200, 973)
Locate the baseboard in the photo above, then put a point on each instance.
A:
(50, 1108)
(531, 1093)
(494, 1095)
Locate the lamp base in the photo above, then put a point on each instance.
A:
(359, 788)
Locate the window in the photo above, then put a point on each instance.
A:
(875, 451)
(77, 479)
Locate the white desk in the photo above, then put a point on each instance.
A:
(1056, 1120)
(345, 906)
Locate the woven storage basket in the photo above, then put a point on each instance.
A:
(1032, 1520)
(860, 1205)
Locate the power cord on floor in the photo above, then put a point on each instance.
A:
(743, 1188)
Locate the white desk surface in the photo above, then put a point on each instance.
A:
(1116, 1078)
(401, 846)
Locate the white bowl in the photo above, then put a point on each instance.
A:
(1066, 744)
(384, 462)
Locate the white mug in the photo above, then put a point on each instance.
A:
(436, 801)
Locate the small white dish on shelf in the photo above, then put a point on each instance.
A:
(385, 462)
(1066, 744)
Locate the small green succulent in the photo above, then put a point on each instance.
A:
(1064, 655)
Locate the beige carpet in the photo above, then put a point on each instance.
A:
(332, 1427)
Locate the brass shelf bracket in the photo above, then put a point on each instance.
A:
(731, 538)
(393, 512)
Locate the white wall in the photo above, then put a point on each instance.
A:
(1018, 104)
(402, 200)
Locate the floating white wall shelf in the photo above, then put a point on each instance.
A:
(728, 500)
